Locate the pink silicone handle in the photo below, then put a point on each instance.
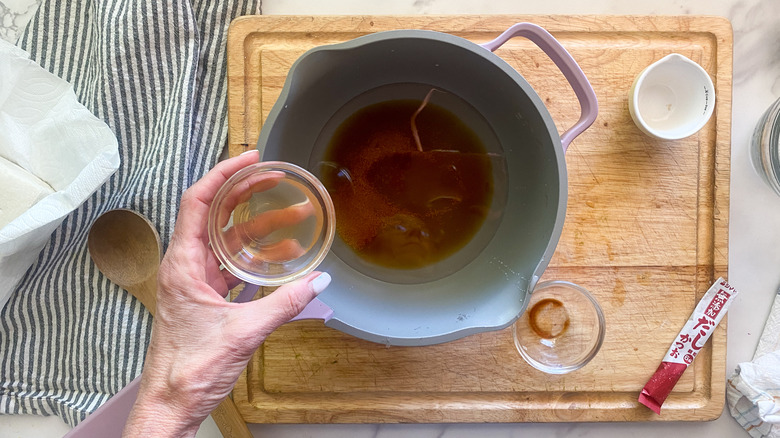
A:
(571, 71)
(109, 420)
(315, 310)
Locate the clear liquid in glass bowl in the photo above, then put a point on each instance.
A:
(271, 223)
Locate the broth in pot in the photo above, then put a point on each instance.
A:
(410, 181)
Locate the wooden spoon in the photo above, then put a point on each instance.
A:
(126, 248)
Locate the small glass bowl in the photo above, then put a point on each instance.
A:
(562, 329)
(765, 147)
(271, 223)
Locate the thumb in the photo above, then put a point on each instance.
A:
(287, 301)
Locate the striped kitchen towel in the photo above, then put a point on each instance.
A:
(154, 71)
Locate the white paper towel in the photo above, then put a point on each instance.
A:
(753, 391)
(21, 190)
(48, 133)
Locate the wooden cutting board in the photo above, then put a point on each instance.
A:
(646, 232)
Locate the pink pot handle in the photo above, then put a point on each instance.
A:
(109, 420)
(571, 70)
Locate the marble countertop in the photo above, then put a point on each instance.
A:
(754, 234)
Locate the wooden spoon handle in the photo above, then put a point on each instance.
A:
(229, 420)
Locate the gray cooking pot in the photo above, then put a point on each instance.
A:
(486, 286)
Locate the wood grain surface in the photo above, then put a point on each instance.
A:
(646, 232)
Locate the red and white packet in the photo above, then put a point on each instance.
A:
(707, 315)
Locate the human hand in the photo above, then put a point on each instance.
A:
(200, 342)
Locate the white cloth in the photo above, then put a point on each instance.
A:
(753, 391)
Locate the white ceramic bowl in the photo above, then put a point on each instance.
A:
(672, 98)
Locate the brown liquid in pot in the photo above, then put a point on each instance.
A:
(400, 207)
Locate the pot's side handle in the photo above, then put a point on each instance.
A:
(316, 309)
(571, 71)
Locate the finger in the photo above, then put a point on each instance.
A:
(260, 226)
(230, 280)
(267, 222)
(282, 251)
(244, 190)
(206, 187)
(195, 202)
(286, 302)
(214, 275)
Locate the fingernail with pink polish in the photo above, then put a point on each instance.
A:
(320, 283)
